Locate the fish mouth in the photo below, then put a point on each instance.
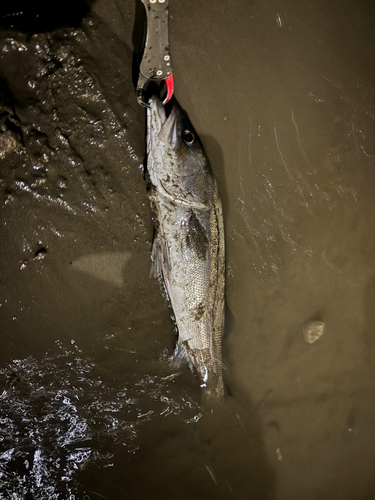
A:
(161, 127)
(156, 116)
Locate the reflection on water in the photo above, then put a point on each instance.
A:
(58, 416)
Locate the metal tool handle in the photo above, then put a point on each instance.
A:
(156, 60)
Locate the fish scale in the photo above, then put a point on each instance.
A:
(188, 251)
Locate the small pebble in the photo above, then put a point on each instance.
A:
(312, 331)
(8, 199)
(40, 254)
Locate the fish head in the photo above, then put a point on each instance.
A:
(177, 163)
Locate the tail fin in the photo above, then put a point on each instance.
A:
(201, 364)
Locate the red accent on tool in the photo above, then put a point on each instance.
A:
(170, 88)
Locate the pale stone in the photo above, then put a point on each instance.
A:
(312, 331)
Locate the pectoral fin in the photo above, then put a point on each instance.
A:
(196, 237)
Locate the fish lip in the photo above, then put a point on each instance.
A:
(156, 114)
(156, 104)
(155, 121)
(162, 128)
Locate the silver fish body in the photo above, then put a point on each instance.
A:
(188, 250)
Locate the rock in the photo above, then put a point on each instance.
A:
(40, 254)
(312, 331)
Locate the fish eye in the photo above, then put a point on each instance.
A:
(188, 137)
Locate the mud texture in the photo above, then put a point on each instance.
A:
(282, 96)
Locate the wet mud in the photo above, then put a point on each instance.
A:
(282, 97)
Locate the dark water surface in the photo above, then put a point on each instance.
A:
(282, 96)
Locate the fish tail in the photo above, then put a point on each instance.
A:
(210, 376)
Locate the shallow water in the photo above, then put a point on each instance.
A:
(282, 96)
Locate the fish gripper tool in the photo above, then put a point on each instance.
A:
(156, 65)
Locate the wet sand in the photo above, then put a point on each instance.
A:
(282, 96)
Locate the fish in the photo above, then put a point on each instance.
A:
(188, 252)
